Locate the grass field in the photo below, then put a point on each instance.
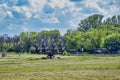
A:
(82, 67)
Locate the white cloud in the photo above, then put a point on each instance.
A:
(106, 7)
(75, 9)
(10, 14)
(76, 20)
(58, 3)
(13, 26)
(26, 11)
(28, 14)
(18, 27)
(35, 10)
(91, 3)
(114, 10)
(24, 28)
(3, 6)
(17, 9)
(37, 5)
(3, 9)
(94, 4)
(2, 15)
(64, 6)
(34, 7)
(52, 20)
(74, 23)
(48, 18)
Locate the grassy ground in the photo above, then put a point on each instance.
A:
(86, 67)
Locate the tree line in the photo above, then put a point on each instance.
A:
(93, 32)
(96, 32)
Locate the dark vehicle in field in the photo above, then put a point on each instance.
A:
(72, 51)
(101, 51)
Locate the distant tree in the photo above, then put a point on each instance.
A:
(93, 21)
(1, 43)
(112, 42)
(26, 41)
(114, 20)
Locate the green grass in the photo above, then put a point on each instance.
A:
(82, 67)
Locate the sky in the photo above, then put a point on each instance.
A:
(18, 16)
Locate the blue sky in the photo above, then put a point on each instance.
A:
(36, 15)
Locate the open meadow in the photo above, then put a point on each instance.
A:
(82, 67)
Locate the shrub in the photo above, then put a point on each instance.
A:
(66, 53)
(32, 50)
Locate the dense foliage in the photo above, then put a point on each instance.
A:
(26, 40)
(93, 32)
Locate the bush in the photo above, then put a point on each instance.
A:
(112, 42)
(32, 50)
(66, 53)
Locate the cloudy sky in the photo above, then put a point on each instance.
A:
(36, 15)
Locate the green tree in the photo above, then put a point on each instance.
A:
(25, 41)
(112, 42)
(93, 21)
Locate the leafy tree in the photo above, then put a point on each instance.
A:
(114, 20)
(91, 22)
(25, 41)
(1, 43)
(112, 42)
